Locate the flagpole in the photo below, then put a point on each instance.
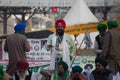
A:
(77, 52)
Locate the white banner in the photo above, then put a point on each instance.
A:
(37, 56)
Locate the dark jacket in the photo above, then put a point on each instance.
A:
(95, 75)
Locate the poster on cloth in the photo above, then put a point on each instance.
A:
(86, 62)
(37, 56)
(37, 50)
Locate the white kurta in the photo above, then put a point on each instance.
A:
(65, 52)
(67, 43)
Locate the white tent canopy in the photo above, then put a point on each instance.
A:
(79, 14)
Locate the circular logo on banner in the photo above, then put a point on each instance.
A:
(36, 48)
(84, 61)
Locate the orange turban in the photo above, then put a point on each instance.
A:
(60, 21)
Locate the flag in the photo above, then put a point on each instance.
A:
(87, 39)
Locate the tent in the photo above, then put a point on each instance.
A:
(79, 18)
(79, 14)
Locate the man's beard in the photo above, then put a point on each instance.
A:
(60, 32)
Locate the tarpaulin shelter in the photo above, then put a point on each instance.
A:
(39, 34)
(34, 34)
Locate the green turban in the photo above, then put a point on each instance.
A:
(64, 64)
(101, 26)
(101, 61)
(77, 69)
(112, 23)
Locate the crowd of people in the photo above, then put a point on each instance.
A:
(62, 49)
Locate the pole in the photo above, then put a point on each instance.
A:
(77, 52)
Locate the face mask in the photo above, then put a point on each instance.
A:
(60, 32)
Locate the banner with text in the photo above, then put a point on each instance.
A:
(37, 56)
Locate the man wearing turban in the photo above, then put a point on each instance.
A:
(61, 72)
(16, 45)
(22, 71)
(77, 74)
(101, 72)
(98, 44)
(61, 45)
(111, 46)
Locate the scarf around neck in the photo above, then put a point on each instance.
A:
(65, 74)
(66, 52)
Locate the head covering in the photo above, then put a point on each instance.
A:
(64, 64)
(77, 69)
(101, 61)
(60, 21)
(112, 23)
(101, 26)
(20, 27)
(22, 65)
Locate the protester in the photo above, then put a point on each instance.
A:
(111, 46)
(61, 73)
(77, 74)
(22, 71)
(61, 45)
(16, 45)
(98, 44)
(101, 72)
